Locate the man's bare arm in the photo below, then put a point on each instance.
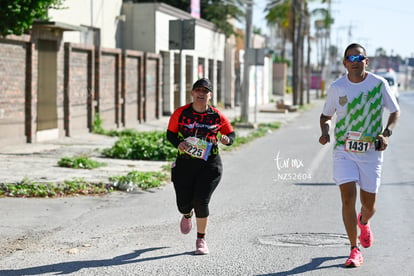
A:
(325, 124)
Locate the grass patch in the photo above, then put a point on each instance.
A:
(261, 130)
(306, 107)
(143, 180)
(79, 162)
(76, 186)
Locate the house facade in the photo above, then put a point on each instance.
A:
(145, 27)
(114, 59)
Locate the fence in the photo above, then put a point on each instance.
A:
(48, 90)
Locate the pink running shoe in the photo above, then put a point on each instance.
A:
(201, 247)
(355, 258)
(186, 224)
(365, 238)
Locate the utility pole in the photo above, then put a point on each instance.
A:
(246, 72)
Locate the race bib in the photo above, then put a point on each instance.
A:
(354, 143)
(198, 148)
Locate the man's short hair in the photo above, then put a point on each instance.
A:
(352, 46)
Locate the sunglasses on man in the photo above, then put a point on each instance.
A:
(358, 58)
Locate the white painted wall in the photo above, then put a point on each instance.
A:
(139, 29)
(146, 28)
(102, 14)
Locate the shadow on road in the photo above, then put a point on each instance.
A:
(408, 183)
(315, 184)
(71, 267)
(315, 264)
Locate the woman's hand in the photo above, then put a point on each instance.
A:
(225, 140)
(183, 146)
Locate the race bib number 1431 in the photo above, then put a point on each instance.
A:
(357, 145)
(354, 143)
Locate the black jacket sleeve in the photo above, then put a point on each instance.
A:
(173, 138)
(232, 136)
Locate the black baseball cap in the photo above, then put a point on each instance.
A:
(203, 82)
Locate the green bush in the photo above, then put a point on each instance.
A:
(152, 145)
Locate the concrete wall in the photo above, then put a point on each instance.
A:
(100, 14)
(139, 28)
(147, 29)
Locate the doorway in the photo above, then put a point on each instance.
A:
(47, 120)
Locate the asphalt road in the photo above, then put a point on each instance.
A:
(276, 212)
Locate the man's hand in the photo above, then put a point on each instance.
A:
(383, 142)
(325, 123)
(325, 138)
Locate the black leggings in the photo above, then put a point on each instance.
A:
(194, 182)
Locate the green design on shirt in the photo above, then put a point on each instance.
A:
(364, 115)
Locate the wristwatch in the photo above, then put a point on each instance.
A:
(387, 132)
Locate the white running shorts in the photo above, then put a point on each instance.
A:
(363, 168)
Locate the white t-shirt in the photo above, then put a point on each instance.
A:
(359, 107)
(344, 87)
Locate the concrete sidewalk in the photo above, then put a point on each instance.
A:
(38, 161)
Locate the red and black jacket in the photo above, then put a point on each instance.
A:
(186, 122)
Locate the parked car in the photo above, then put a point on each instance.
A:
(391, 76)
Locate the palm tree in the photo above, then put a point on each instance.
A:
(323, 26)
(293, 19)
(323, 34)
(380, 52)
(279, 15)
(289, 17)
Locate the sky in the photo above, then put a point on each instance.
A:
(386, 24)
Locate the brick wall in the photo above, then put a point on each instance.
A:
(15, 65)
(78, 87)
(132, 90)
(152, 97)
(122, 86)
